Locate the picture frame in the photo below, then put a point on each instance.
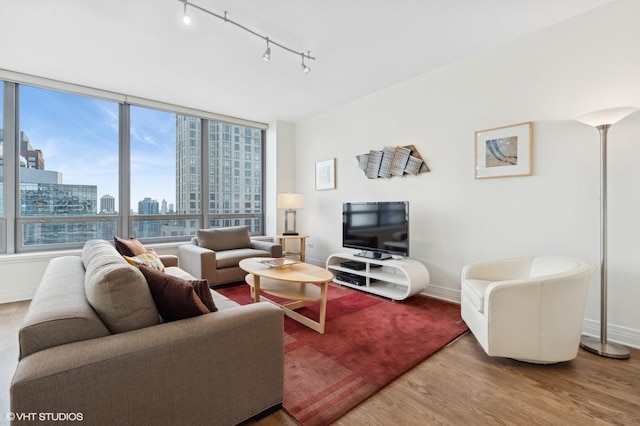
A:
(326, 174)
(504, 151)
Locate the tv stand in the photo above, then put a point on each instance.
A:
(373, 255)
(394, 279)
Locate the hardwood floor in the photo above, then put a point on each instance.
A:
(458, 385)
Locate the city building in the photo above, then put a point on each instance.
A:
(107, 204)
(235, 167)
(43, 194)
(148, 206)
(34, 157)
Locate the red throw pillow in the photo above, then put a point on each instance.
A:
(175, 298)
(130, 247)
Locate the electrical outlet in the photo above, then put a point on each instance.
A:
(310, 244)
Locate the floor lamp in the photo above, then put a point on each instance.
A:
(602, 120)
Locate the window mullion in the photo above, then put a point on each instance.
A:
(11, 154)
(204, 173)
(124, 174)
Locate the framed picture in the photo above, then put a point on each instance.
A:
(326, 174)
(504, 151)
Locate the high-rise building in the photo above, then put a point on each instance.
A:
(107, 204)
(34, 157)
(148, 206)
(187, 165)
(235, 171)
(42, 193)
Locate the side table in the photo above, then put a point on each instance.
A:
(282, 240)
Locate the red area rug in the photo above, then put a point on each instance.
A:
(368, 342)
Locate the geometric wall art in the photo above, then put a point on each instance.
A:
(392, 161)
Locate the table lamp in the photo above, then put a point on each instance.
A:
(290, 202)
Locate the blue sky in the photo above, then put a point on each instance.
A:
(78, 136)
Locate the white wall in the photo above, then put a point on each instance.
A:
(281, 167)
(588, 63)
(280, 149)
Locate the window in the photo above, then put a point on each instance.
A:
(3, 221)
(163, 172)
(68, 161)
(251, 213)
(72, 168)
(2, 232)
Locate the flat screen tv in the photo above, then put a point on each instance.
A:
(379, 229)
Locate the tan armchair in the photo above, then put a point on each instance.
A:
(214, 254)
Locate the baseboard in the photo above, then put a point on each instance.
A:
(622, 335)
(16, 295)
(443, 293)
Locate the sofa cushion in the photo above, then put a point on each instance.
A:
(180, 273)
(116, 290)
(217, 239)
(175, 298)
(221, 302)
(150, 259)
(231, 258)
(59, 312)
(130, 247)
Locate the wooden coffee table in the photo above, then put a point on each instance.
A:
(300, 282)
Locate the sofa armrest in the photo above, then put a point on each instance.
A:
(198, 261)
(218, 368)
(169, 260)
(274, 248)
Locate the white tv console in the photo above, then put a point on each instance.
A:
(395, 279)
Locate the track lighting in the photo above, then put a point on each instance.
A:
(185, 18)
(305, 68)
(267, 53)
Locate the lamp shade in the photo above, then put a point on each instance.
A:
(604, 116)
(290, 201)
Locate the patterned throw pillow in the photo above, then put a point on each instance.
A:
(150, 258)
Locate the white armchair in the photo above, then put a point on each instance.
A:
(527, 308)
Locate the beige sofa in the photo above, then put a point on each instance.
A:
(214, 254)
(92, 346)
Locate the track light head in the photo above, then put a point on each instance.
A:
(305, 68)
(185, 18)
(267, 53)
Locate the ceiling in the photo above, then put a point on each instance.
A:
(142, 48)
